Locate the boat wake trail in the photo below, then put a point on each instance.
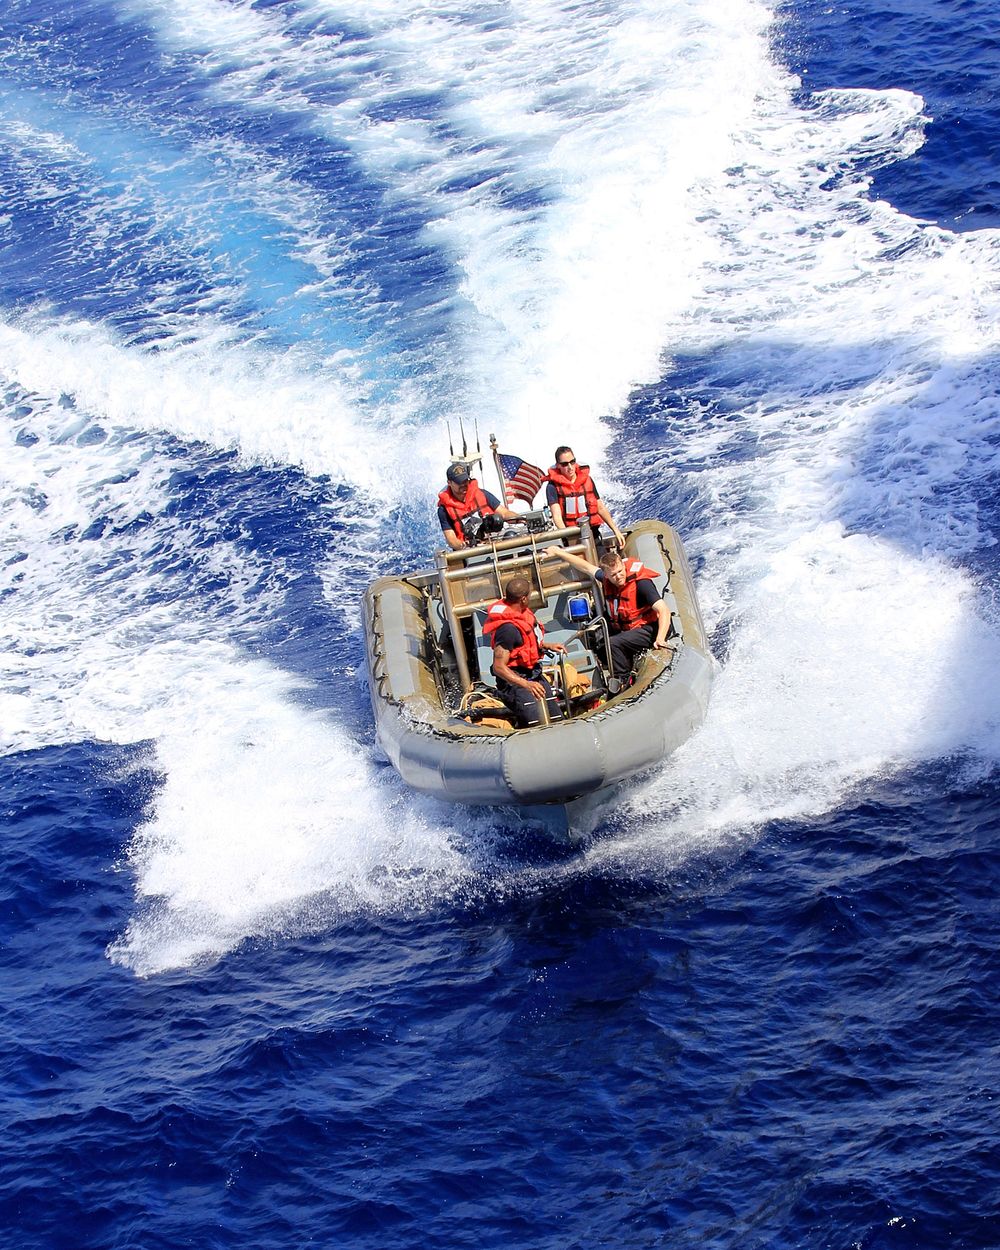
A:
(261, 275)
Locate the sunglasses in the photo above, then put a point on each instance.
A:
(564, 464)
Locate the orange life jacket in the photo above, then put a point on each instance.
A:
(474, 501)
(529, 652)
(578, 499)
(622, 605)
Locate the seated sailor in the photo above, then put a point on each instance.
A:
(638, 619)
(464, 499)
(516, 637)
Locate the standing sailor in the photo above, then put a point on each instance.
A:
(463, 498)
(572, 496)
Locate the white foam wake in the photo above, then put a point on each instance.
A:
(552, 155)
(205, 389)
(269, 820)
(852, 661)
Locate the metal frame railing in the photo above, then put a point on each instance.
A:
(487, 567)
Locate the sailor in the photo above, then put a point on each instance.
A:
(638, 618)
(516, 637)
(572, 496)
(462, 499)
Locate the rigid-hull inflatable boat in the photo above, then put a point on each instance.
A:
(429, 671)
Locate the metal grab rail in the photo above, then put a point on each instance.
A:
(562, 692)
(477, 605)
(463, 554)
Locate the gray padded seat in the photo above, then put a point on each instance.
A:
(484, 652)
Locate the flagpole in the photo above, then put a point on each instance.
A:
(500, 477)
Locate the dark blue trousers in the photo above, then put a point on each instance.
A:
(523, 703)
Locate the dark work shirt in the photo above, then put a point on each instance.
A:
(445, 519)
(507, 636)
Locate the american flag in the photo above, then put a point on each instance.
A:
(522, 480)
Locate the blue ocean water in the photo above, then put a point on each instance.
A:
(256, 256)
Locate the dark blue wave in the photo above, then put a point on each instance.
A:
(785, 1045)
